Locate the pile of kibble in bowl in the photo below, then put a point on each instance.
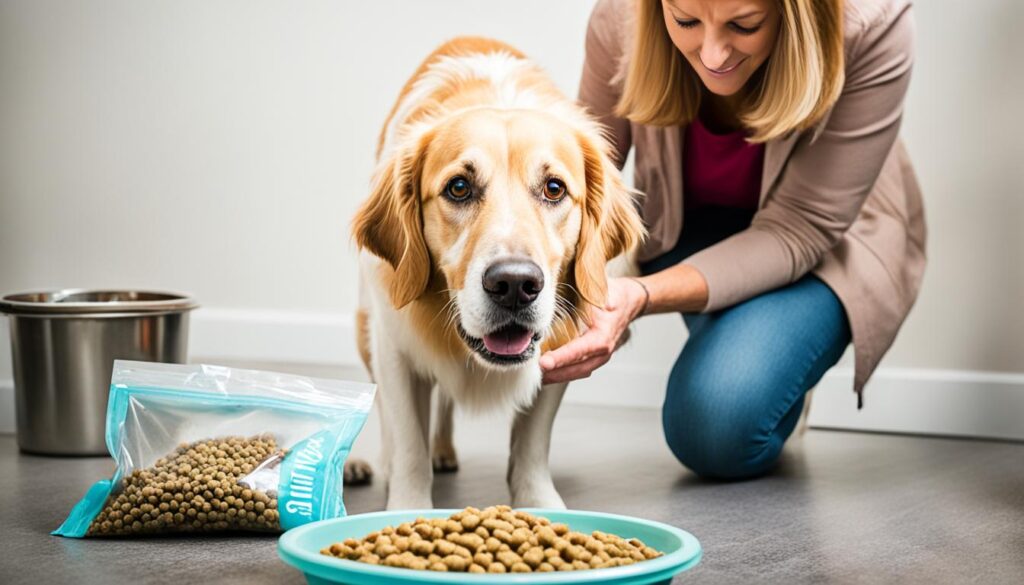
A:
(196, 488)
(492, 540)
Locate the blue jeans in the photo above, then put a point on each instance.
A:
(737, 389)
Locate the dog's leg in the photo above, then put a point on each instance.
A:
(358, 471)
(443, 447)
(529, 477)
(405, 420)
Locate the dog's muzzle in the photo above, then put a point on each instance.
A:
(512, 285)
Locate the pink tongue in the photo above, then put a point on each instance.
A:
(508, 341)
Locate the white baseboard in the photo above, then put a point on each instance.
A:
(896, 400)
(924, 401)
(919, 401)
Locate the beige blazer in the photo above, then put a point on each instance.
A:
(839, 200)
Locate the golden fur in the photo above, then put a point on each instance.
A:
(476, 110)
(404, 204)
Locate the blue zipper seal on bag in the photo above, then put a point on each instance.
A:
(82, 515)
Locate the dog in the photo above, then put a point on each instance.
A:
(494, 210)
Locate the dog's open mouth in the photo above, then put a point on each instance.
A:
(509, 344)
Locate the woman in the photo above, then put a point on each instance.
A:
(784, 217)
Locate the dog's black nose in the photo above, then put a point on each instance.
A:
(513, 284)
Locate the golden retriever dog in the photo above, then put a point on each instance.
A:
(493, 212)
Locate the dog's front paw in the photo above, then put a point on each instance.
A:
(357, 472)
(444, 458)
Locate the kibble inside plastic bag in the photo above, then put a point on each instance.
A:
(212, 449)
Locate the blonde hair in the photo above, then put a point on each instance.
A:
(801, 80)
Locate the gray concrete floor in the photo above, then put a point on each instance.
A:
(841, 507)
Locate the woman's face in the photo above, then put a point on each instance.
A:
(725, 41)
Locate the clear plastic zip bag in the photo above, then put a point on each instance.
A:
(204, 448)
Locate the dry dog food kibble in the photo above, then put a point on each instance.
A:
(197, 488)
(492, 540)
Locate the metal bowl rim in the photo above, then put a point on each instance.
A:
(174, 302)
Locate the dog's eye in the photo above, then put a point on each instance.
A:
(458, 189)
(554, 190)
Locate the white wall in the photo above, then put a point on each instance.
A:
(221, 147)
(966, 135)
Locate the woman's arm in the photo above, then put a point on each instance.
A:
(679, 288)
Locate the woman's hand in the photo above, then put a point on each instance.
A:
(591, 350)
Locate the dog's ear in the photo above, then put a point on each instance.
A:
(610, 225)
(390, 223)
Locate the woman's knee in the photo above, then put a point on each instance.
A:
(722, 426)
(709, 454)
(736, 391)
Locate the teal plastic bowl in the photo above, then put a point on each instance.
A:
(300, 547)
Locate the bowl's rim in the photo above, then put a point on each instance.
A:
(688, 555)
(15, 303)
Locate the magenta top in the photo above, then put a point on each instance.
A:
(721, 169)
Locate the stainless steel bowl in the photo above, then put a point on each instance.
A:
(63, 346)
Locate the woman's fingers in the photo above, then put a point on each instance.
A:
(591, 343)
(592, 349)
(575, 371)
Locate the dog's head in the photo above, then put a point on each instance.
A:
(512, 215)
